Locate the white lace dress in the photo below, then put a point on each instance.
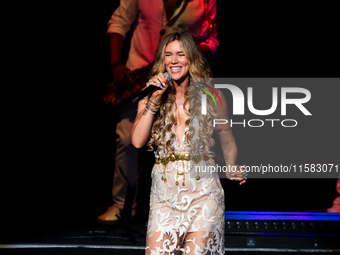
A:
(185, 219)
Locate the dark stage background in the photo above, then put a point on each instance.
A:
(64, 154)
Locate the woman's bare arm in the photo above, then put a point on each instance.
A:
(229, 147)
(143, 123)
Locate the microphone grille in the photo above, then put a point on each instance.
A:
(167, 75)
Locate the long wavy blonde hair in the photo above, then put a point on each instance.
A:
(165, 117)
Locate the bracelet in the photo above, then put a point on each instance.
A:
(155, 109)
(157, 104)
(113, 66)
(148, 107)
(149, 111)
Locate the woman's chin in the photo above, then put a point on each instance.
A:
(178, 77)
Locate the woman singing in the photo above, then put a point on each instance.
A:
(186, 206)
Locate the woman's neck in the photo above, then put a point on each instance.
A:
(181, 86)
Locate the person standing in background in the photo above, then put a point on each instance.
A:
(336, 202)
(150, 22)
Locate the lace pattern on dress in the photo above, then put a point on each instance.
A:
(188, 218)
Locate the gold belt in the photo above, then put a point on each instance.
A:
(196, 158)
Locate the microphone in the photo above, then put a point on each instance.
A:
(149, 89)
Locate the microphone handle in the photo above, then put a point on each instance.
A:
(144, 93)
